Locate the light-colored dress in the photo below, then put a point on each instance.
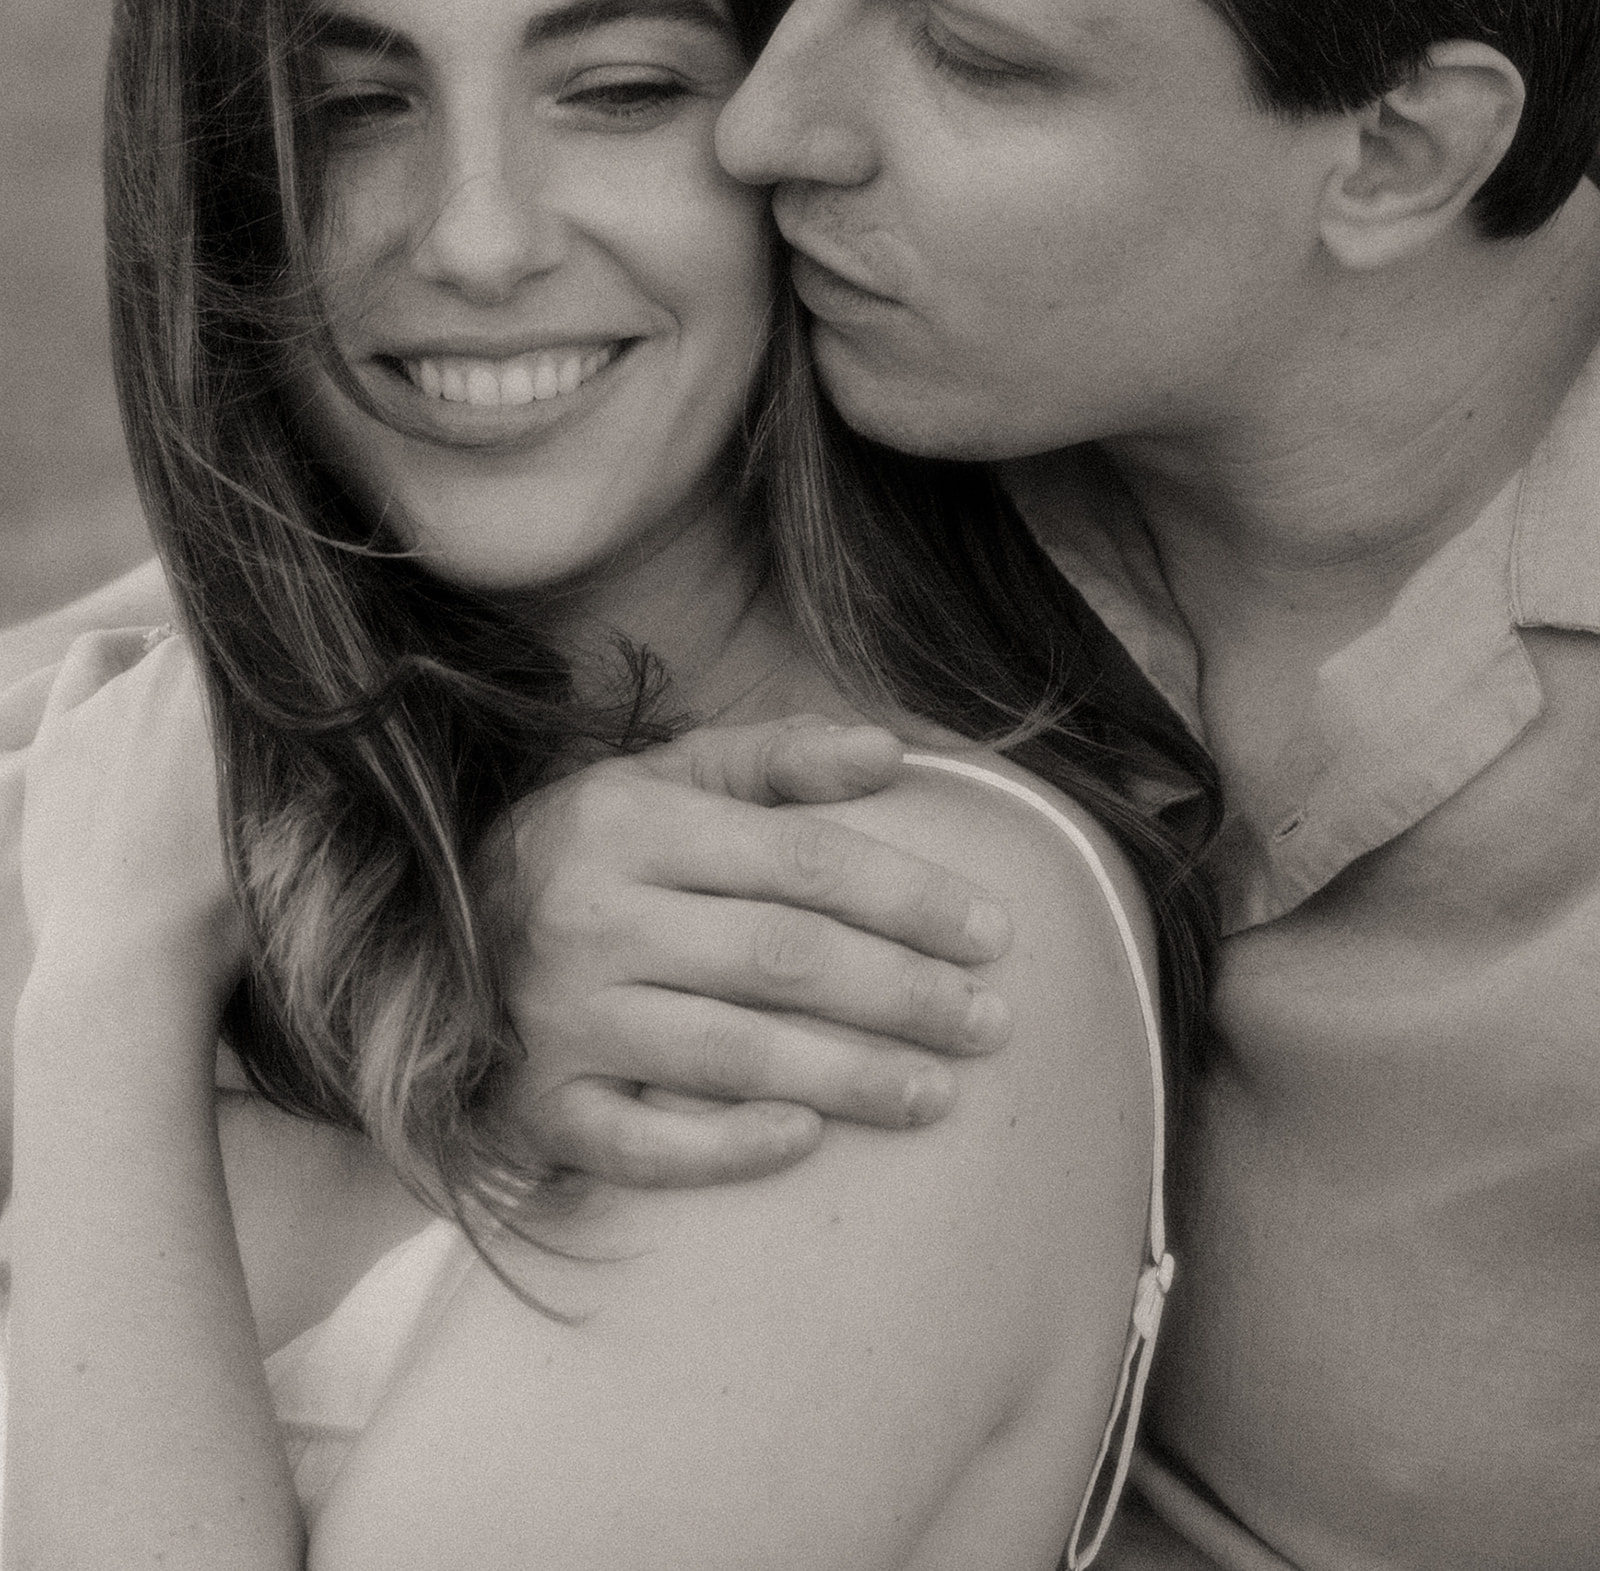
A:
(327, 1383)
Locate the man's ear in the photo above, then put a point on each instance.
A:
(1423, 151)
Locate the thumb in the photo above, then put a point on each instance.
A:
(803, 758)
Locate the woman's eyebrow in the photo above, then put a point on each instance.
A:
(579, 16)
(340, 30)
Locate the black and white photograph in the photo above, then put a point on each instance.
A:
(800, 785)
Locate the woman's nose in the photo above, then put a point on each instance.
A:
(802, 112)
(491, 226)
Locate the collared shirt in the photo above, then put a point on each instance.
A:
(1406, 715)
(1384, 1349)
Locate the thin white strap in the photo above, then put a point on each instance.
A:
(1116, 1443)
(1130, 948)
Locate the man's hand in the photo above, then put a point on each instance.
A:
(674, 929)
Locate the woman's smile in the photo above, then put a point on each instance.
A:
(520, 379)
(473, 399)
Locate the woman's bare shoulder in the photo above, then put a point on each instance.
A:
(905, 1343)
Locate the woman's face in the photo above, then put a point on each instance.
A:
(552, 295)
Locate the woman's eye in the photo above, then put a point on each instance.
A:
(352, 110)
(624, 100)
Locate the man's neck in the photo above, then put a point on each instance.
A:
(1327, 477)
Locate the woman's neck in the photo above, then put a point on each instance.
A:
(697, 600)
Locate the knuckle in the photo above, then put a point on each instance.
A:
(709, 760)
(811, 854)
(927, 994)
(772, 750)
(930, 891)
(570, 909)
(567, 1023)
(564, 841)
(597, 805)
(705, 762)
(727, 1057)
(787, 947)
(703, 776)
(588, 808)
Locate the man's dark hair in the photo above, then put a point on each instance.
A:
(1322, 56)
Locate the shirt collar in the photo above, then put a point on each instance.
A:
(1555, 576)
(1093, 531)
(1407, 714)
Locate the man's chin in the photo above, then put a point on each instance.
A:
(923, 416)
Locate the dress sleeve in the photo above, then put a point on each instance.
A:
(68, 670)
(137, 599)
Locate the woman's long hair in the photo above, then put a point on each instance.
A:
(373, 723)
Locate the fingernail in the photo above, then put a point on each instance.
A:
(988, 928)
(988, 1020)
(929, 1095)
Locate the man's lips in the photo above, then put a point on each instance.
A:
(818, 271)
(831, 297)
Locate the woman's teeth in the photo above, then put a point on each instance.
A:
(523, 379)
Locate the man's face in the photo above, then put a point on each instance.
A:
(1024, 223)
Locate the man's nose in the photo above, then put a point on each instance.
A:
(489, 225)
(802, 113)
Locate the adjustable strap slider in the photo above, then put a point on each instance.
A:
(1150, 1296)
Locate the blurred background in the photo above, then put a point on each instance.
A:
(69, 518)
